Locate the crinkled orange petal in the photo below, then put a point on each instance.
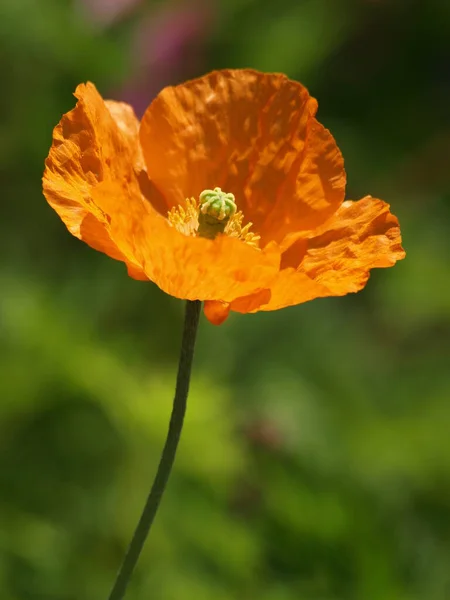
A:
(95, 145)
(216, 311)
(251, 303)
(192, 268)
(252, 134)
(125, 118)
(197, 268)
(293, 287)
(361, 236)
(318, 180)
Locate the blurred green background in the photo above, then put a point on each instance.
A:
(315, 460)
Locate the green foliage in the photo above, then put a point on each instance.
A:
(315, 460)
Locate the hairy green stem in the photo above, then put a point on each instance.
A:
(168, 454)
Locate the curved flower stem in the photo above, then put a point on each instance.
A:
(168, 454)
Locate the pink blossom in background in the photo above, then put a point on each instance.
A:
(106, 12)
(168, 48)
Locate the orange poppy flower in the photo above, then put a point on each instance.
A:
(229, 191)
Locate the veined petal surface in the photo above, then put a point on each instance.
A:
(252, 134)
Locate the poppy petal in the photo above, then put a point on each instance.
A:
(361, 236)
(252, 134)
(314, 188)
(192, 268)
(339, 255)
(95, 145)
(124, 116)
(216, 311)
(197, 268)
(251, 303)
(293, 287)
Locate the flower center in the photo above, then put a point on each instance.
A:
(215, 212)
(216, 209)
